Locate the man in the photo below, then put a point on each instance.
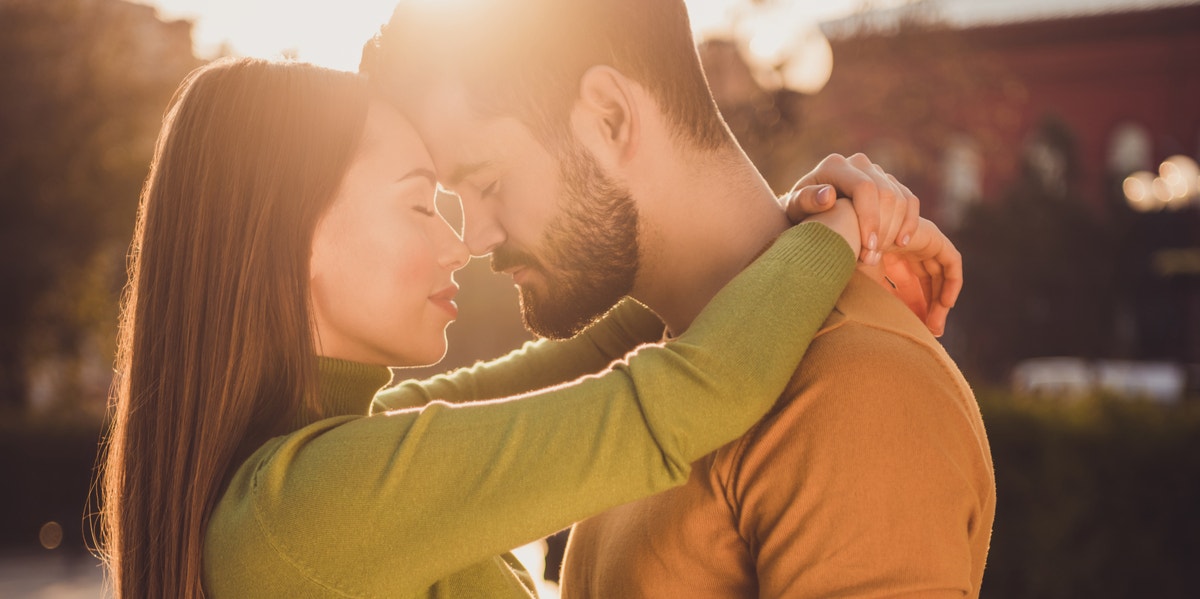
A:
(592, 164)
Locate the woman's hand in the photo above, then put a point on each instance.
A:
(923, 266)
(926, 275)
(888, 213)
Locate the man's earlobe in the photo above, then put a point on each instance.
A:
(607, 111)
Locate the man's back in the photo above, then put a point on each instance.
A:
(872, 476)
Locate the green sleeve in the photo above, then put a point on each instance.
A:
(386, 505)
(536, 365)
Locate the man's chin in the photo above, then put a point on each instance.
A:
(561, 320)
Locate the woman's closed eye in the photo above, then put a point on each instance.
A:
(425, 210)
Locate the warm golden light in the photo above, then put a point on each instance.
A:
(1139, 190)
(326, 33)
(786, 48)
(1176, 187)
(332, 33)
(1162, 194)
(1181, 175)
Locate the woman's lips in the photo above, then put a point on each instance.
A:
(444, 299)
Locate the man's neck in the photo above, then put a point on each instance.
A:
(701, 225)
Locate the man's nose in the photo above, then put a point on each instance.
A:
(482, 231)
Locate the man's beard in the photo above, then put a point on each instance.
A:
(589, 252)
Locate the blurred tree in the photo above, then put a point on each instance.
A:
(1049, 287)
(85, 85)
(901, 93)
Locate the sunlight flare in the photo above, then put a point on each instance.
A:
(332, 33)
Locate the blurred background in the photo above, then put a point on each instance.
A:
(1055, 141)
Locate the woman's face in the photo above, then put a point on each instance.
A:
(383, 258)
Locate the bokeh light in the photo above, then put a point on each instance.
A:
(1176, 187)
(787, 48)
(50, 535)
(1182, 177)
(1139, 191)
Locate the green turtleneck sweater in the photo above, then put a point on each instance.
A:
(425, 502)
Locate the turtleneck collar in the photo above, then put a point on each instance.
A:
(346, 388)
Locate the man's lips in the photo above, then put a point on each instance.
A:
(519, 274)
(515, 263)
(444, 299)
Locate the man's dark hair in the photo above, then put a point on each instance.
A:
(524, 58)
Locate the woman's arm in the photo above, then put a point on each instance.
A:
(536, 365)
(394, 502)
(881, 204)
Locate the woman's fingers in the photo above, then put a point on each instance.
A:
(929, 269)
(923, 264)
(802, 202)
(891, 202)
(888, 212)
(909, 282)
(850, 179)
(953, 274)
(871, 201)
(937, 280)
(936, 320)
(912, 214)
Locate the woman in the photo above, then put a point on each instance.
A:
(287, 247)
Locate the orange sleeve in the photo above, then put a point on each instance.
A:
(869, 479)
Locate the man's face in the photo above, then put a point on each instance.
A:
(565, 232)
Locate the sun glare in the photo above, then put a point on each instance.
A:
(332, 33)
(326, 33)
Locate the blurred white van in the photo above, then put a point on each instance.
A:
(1071, 377)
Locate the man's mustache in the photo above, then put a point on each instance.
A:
(507, 258)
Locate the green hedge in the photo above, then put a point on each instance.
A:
(1097, 497)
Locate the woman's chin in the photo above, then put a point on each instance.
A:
(418, 359)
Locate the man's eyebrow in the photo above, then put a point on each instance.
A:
(422, 173)
(463, 171)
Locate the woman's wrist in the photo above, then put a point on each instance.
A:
(843, 220)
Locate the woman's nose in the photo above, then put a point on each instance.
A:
(453, 253)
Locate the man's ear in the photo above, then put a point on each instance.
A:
(605, 117)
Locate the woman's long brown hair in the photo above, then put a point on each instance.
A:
(215, 351)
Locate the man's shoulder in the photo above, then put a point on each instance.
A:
(867, 312)
(873, 383)
(870, 338)
(873, 360)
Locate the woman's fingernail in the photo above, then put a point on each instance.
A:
(825, 197)
(872, 242)
(904, 240)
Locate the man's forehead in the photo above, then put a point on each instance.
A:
(436, 106)
(452, 129)
(461, 139)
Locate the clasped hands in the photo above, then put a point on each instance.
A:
(905, 253)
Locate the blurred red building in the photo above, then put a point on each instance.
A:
(958, 110)
(1016, 130)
